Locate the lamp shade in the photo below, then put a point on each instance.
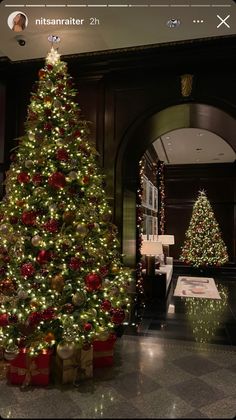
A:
(166, 239)
(151, 248)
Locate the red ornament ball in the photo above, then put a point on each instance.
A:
(88, 326)
(13, 220)
(77, 133)
(43, 256)
(37, 179)
(118, 316)
(85, 180)
(48, 126)
(48, 314)
(57, 180)
(49, 67)
(23, 178)
(51, 226)
(93, 282)
(27, 270)
(74, 264)
(62, 155)
(103, 271)
(29, 218)
(34, 319)
(4, 320)
(106, 305)
(68, 308)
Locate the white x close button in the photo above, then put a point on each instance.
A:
(223, 21)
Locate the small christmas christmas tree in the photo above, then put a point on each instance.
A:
(203, 244)
(61, 274)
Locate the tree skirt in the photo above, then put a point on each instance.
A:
(198, 287)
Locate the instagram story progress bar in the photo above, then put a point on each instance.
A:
(96, 25)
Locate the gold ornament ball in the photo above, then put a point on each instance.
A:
(11, 352)
(81, 229)
(57, 282)
(91, 312)
(36, 240)
(65, 350)
(72, 175)
(69, 216)
(29, 164)
(57, 103)
(31, 136)
(5, 228)
(39, 192)
(67, 242)
(114, 269)
(22, 294)
(78, 299)
(53, 207)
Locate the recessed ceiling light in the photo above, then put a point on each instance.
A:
(169, 144)
(167, 137)
(200, 134)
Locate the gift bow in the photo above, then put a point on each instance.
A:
(29, 371)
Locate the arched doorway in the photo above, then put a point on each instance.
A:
(139, 137)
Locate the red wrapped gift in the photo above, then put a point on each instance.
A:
(103, 351)
(27, 370)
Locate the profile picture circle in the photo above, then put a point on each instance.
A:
(17, 21)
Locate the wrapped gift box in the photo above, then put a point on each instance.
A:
(4, 367)
(27, 370)
(76, 368)
(103, 351)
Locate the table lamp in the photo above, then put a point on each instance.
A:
(166, 240)
(150, 249)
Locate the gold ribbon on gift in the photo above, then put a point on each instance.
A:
(84, 368)
(30, 370)
(102, 353)
(79, 366)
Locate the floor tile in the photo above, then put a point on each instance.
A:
(196, 365)
(224, 380)
(223, 409)
(196, 392)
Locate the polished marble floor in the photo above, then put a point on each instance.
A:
(161, 370)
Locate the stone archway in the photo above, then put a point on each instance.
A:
(136, 141)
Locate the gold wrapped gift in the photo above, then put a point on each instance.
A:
(76, 368)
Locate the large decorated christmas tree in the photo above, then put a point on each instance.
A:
(203, 244)
(61, 274)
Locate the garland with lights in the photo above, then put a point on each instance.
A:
(139, 299)
(203, 246)
(161, 193)
(61, 276)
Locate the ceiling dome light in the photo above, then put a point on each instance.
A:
(54, 39)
